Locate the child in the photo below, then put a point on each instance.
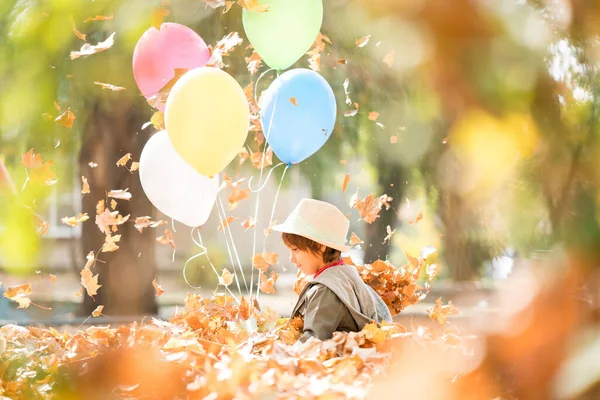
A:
(336, 299)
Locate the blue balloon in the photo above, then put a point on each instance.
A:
(298, 114)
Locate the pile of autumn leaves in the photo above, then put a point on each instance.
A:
(215, 346)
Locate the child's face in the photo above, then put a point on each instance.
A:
(306, 261)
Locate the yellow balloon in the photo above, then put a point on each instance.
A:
(207, 119)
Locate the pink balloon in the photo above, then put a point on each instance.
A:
(158, 53)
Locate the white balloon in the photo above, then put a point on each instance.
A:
(173, 186)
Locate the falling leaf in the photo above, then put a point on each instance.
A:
(350, 113)
(19, 294)
(343, 62)
(385, 200)
(390, 233)
(253, 63)
(389, 58)
(223, 48)
(86, 186)
(236, 196)
(343, 162)
(293, 101)
(419, 217)
(88, 49)
(134, 166)
(245, 310)
(373, 115)
(110, 243)
(124, 160)
(88, 280)
(75, 221)
(346, 181)
(113, 204)
(253, 5)
(225, 223)
(257, 158)
(107, 219)
(160, 98)
(66, 119)
(75, 31)
(98, 311)
(362, 42)
(52, 278)
(379, 124)
(354, 240)
(347, 91)
(167, 238)
(158, 288)
(267, 285)
(226, 278)
(314, 54)
(441, 312)
(42, 227)
(99, 18)
(92, 164)
(146, 222)
(249, 223)
(267, 231)
(32, 160)
(110, 87)
(120, 194)
(368, 208)
(264, 261)
(394, 139)
(158, 16)
(301, 281)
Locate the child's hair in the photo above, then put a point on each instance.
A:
(304, 244)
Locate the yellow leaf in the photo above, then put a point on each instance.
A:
(158, 120)
(158, 288)
(158, 16)
(120, 194)
(346, 181)
(66, 119)
(75, 221)
(354, 240)
(124, 160)
(86, 186)
(167, 238)
(110, 243)
(226, 278)
(98, 311)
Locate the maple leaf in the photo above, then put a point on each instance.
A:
(245, 310)
(31, 160)
(226, 222)
(120, 194)
(134, 166)
(378, 266)
(75, 31)
(314, 60)
(98, 311)
(85, 185)
(301, 281)
(160, 98)
(40, 171)
(253, 5)
(88, 49)
(354, 240)
(107, 219)
(264, 261)
(19, 294)
(257, 158)
(249, 223)
(346, 181)
(124, 160)
(110, 243)
(223, 48)
(293, 101)
(158, 288)
(146, 222)
(88, 280)
(253, 63)
(416, 220)
(110, 87)
(373, 115)
(99, 18)
(167, 238)
(362, 42)
(236, 196)
(158, 16)
(267, 285)
(75, 221)
(226, 278)
(441, 312)
(390, 233)
(368, 208)
(243, 155)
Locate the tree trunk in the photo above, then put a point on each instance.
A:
(112, 130)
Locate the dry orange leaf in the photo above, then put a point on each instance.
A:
(354, 240)
(293, 101)
(110, 87)
(257, 158)
(226, 278)
(346, 181)
(66, 119)
(146, 222)
(75, 221)
(75, 31)
(134, 166)
(368, 208)
(99, 18)
(253, 63)
(236, 196)
(32, 160)
(225, 223)
(107, 219)
(19, 294)
(98, 311)
(441, 312)
(253, 5)
(300, 283)
(88, 280)
(222, 49)
(158, 288)
(267, 285)
(124, 160)
(362, 42)
(86, 186)
(167, 238)
(314, 54)
(110, 243)
(52, 278)
(264, 261)
(373, 115)
(158, 16)
(40, 171)
(113, 204)
(249, 223)
(389, 58)
(419, 217)
(120, 194)
(88, 49)
(160, 98)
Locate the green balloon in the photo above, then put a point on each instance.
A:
(285, 32)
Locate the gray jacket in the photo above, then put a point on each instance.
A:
(338, 300)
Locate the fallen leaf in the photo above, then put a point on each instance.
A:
(253, 5)
(110, 87)
(225, 223)
(373, 115)
(146, 222)
(86, 187)
(236, 196)
(362, 42)
(354, 240)
(75, 31)
(226, 278)
(99, 18)
(120, 194)
(158, 16)
(267, 285)
(385, 200)
(88, 49)
(167, 238)
(66, 119)
(223, 48)
(124, 160)
(368, 208)
(249, 223)
(346, 181)
(98, 311)
(19, 294)
(100, 207)
(390, 233)
(264, 261)
(158, 288)
(379, 124)
(110, 243)
(75, 221)
(42, 227)
(293, 101)
(245, 310)
(389, 58)
(441, 312)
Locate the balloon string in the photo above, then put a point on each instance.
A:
(270, 222)
(173, 225)
(266, 179)
(262, 164)
(235, 252)
(223, 219)
(204, 252)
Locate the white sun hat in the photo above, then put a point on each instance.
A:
(319, 221)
